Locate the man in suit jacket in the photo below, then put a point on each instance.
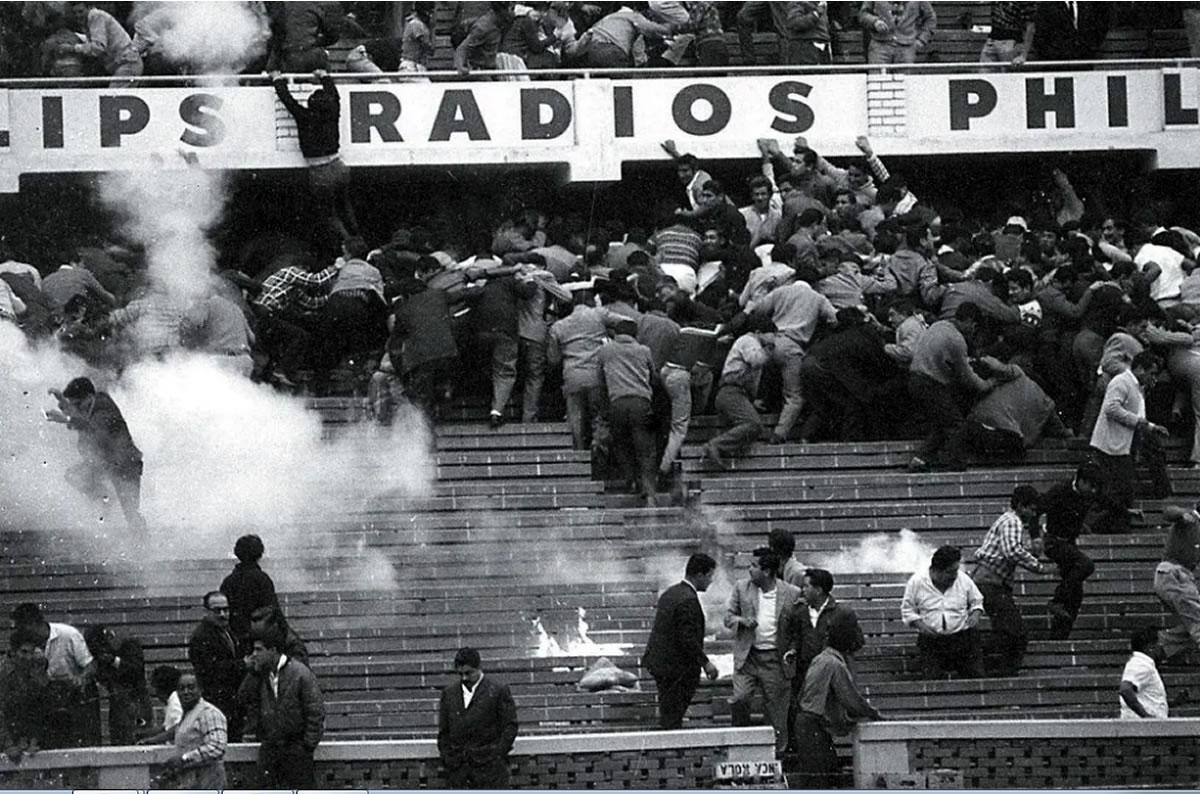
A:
(477, 725)
(823, 611)
(286, 711)
(219, 667)
(675, 651)
(764, 611)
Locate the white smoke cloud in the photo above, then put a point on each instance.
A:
(903, 552)
(206, 37)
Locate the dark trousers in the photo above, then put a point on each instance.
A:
(492, 774)
(503, 349)
(833, 408)
(285, 766)
(421, 383)
(228, 704)
(128, 713)
(1008, 629)
(1074, 567)
(736, 408)
(960, 653)
(287, 340)
(633, 440)
(942, 416)
(89, 478)
(675, 694)
(971, 436)
(354, 323)
(819, 767)
(1116, 497)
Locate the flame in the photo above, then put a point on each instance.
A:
(580, 645)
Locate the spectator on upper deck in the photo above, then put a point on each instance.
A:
(301, 32)
(610, 42)
(1011, 37)
(60, 58)
(479, 48)
(106, 41)
(802, 29)
(898, 30)
(1070, 31)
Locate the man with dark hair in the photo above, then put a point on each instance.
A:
(783, 543)
(319, 131)
(1143, 695)
(830, 703)
(692, 178)
(802, 30)
(940, 373)
(220, 667)
(285, 711)
(627, 371)
(474, 743)
(248, 587)
(761, 216)
(1122, 416)
(1005, 546)
(121, 668)
(73, 719)
(945, 606)
(495, 321)
(822, 614)
(675, 651)
(738, 389)
(763, 611)
(1066, 505)
(199, 738)
(107, 448)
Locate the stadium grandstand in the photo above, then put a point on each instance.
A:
(348, 350)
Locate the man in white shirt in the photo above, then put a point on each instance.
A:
(1142, 693)
(944, 606)
(763, 611)
(1122, 413)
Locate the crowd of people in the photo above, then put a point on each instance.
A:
(836, 296)
(794, 643)
(57, 39)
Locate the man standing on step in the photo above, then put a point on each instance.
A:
(627, 372)
(477, 726)
(823, 613)
(739, 386)
(1066, 505)
(1122, 418)
(945, 606)
(1005, 546)
(220, 667)
(764, 612)
(675, 651)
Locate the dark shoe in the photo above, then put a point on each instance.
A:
(1061, 621)
(495, 421)
(713, 458)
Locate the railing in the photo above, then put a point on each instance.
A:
(484, 76)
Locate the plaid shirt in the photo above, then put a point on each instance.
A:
(1006, 546)
(201, 734)
(293, 287)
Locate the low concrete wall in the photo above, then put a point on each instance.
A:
(643, 759)
(1028, 754)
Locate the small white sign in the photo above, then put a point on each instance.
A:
(748, 770)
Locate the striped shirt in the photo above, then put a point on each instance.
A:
(202, 733)
(678, 245)
(1009, 20)
(294, 287)
(1006, 546)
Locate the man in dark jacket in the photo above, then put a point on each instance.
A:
(494, 319)
(1067, 506)
(301, 32)
(318, 127)
(107, 448)
(1070, 31)
(219, 666)
(248, 587)
(841, 375)
(285, 711)
(823, 611)
(477, 725)
(675, 651)
(121, 668)
(421, 346)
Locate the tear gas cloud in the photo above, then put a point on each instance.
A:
(205, 37)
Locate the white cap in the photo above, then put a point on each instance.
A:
(1017, 220)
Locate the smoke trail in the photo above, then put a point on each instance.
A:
(903, 552)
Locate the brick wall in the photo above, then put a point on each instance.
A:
(887, 113)
(630, 760)
(1028, 754)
